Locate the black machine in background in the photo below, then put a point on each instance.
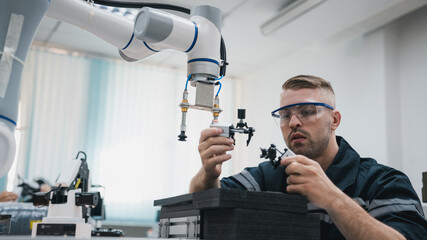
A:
(69, 202)
(98, 212)
(59, 193)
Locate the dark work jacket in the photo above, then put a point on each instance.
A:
(385, 193)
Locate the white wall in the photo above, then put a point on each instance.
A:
(412, 52)
(380, 84)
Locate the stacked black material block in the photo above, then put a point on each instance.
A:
(235, 214)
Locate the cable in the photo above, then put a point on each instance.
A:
(223, 55)
(220, 85)
(113, 3)
(186, 84)
(219, 78)
(83, 154)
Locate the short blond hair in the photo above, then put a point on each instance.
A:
(309, 81)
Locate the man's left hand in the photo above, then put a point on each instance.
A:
(306, 177)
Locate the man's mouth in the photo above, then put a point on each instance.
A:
(297, 137)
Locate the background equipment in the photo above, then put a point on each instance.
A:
(68, 203)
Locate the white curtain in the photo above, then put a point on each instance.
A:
(125, 116)
(53, 110)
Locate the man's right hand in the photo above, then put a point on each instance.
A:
(213, 152)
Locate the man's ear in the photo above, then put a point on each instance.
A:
(336, 119)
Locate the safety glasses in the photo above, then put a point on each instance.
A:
(305, 112)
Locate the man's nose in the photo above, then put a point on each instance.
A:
(294, 121)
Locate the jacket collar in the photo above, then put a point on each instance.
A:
(343, 170)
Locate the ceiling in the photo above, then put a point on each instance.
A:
(325, 23)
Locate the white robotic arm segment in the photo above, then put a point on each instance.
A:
(110, 27)
(161, 30)
(115, 30)
(205, 58)
(209, 35)
(152, 31)
(15, 40)
(198, 36)
(7, 147)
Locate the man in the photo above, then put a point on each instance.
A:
(356, 198)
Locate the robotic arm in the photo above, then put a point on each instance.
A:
(68, 202)
(152, 31)
(155, 30)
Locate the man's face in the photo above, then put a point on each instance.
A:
(307, 136)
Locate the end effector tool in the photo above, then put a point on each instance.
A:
(271, 154)
(241, 127)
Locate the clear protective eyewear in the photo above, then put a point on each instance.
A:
(305, 112)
